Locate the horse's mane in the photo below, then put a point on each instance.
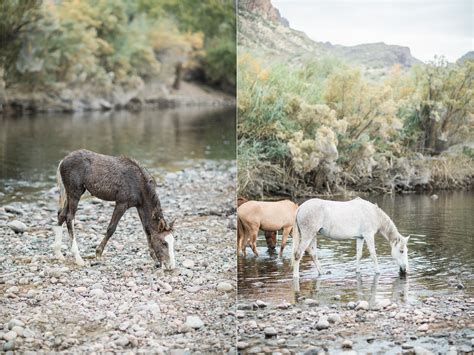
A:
(387, 227)
(150, 186)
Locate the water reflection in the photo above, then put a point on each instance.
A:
(31, 146)
(440, 257)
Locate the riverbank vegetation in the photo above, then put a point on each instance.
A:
(324, 126)
(114, 47)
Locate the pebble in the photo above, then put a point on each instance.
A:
(351, 305)
(322, 323)
(15, 323)
(10, 335)
(242, 345)
(122, 341)
(194, 322)
(14, 210)
(334, 318)
(97, 292)
(261, 304)
(347, 344)
(18, 330)
(310, 302)
(80, 289)
(362, 305)
(419, 350)
(270, 332)
(9, 345)
(188, 263)
(423, 328)
(17, 226)
(224, 287)
(406, 346)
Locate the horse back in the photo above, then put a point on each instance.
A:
(268, 215)
(106, 177)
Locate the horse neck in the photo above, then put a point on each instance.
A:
(387, 227)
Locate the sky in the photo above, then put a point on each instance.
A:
(428, 27)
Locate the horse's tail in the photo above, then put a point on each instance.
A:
(296, 239)
(62, 189)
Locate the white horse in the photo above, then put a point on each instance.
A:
(357, 219)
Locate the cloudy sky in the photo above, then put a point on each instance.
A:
(428, 27)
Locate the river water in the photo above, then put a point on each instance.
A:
(441, 258)
(32, 146)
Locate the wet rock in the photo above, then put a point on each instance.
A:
(384, 303)
(261, 304)
(224, 287)
(194, 322)
(270, 332)
(17, 226)
(406, 346)
(460, 286)
(362, 305)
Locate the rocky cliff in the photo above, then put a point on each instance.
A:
(262, 28)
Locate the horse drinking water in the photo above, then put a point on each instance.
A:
(357, 219)
(118, 179)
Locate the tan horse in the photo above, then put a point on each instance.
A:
(270, 237)
(267, 216)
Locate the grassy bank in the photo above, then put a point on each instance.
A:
(323, 126)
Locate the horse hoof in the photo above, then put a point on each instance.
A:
(80, 262)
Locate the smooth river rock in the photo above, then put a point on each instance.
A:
(17, 226)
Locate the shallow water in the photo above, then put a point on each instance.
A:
(441, 251)
(32, 146)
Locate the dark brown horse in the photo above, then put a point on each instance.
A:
(118, 179)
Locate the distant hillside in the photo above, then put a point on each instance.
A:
(262, 28)
(467, 56)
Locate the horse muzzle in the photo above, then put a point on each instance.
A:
(403, 271)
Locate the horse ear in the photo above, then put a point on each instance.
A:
(406, 239)
(161, 225)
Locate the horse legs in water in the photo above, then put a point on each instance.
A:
(284, 238)
(253, 241)
(305, 239)
(359, 246)
(119, 211)
(313, 251)
(371, 246)
(72, 203)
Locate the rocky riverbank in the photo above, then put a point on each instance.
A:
(153, 95)
(123, 303)
(436, 325)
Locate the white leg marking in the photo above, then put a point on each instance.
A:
(359, 246)
(170, 240)
(58, 237)
(75, 251)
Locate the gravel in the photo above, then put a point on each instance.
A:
(123, 303)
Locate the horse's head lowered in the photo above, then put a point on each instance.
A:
(162, 245)
(400, 253)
